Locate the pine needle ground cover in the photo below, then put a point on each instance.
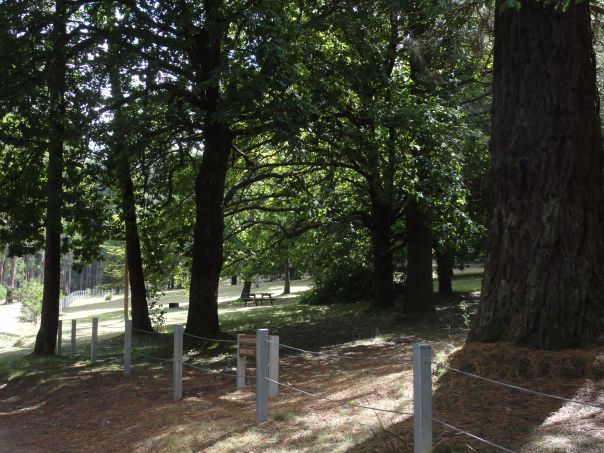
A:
(73, 406)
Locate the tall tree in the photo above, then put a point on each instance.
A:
(119, 163)
(49, 319)
(544, 282)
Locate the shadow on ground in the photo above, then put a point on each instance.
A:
(512, 419)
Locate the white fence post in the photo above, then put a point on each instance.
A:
(72, 353)
(261, 375)
(422, 398)
(273, 365)
(60, 338)
(177, 363)
(127, 346)
(241, 362)
(95, 333)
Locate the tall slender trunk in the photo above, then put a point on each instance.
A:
(13, 272)
(2, 264)
(140, 311)
(418, 288)
(544, 282)
(208, 234)
(383, 271)
(120, 157)
(42, 260)
(444, 265)
(287, 282)
(49, 320)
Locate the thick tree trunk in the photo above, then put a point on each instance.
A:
(247, 288)
(208, 234)
(444, 266)
(208, 238)
(418, 288)
(49, 320)
(544, 282)
(287, 287)
(381, 241)
(233, 280)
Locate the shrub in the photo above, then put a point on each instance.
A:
(109, 296)
(157, 314)
(30, 294)
(343, 284)
(3, 293)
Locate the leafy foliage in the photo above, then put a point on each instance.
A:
(30, 295)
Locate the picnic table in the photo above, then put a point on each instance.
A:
(257, 297)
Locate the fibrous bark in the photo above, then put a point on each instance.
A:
(544, 282)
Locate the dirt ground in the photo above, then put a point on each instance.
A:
(97, 409)
(94, 408)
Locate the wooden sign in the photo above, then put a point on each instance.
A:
(247, 345)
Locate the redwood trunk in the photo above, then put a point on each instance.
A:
(49, 320)
(419, 287)
(544, 282)
(381, 238)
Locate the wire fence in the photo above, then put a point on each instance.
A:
(473, 436)
(214, 340)
(324, 354)
(343, 402)
(338, 401)
(517, 388)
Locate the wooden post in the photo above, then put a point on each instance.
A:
(177, 363)
(422, 398)
(241, 362)
(261, 375)
(95, 332)
(126, 287)
(127, 346)
(60, 338)
(273, 365)
(72, 353)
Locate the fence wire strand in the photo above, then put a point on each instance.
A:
(210, 339)
(213, 372)
(333, 400)
(473, 436)
(326, 354)
(146, 331)
(160, 359)
(520, 389)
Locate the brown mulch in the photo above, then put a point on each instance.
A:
(90, 409)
